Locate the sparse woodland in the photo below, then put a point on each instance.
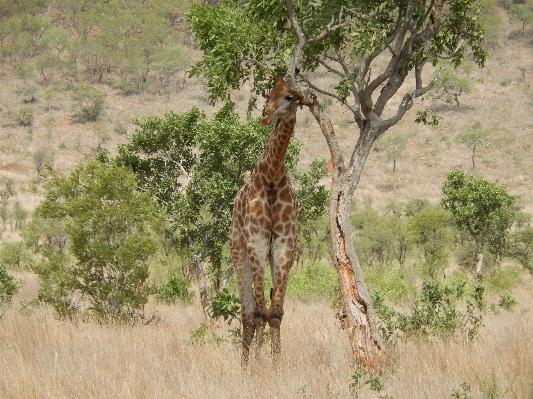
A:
(117, 179)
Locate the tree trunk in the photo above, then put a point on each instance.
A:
(363, 334)
(479, 266)
(394, 174)
(364, 337)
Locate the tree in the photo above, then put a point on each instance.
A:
(522, 13)
(450, 86)
(19, 214)
(14, 255)
(472, 138)
(483, 210)
(521, 247)
(393, 146)
(56, 38)
(415, 206)
(375, 236)
(194, 167)
(42, 157)
(369, 48)
(430, 230)
(109, 226)
(88, 102)
(8, 287)
(4, 212)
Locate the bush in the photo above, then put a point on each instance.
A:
(24, 116)
(126, 88)
(23, 71)
(314, 280)
(109, 226)
(225, 304)
(30, 92)
(436, 311)
(8, 287)
(505, 279)
(390, 281)
(174, 290)
(88, 102)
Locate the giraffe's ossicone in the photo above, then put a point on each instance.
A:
(263, 227)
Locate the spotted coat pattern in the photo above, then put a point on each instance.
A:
(263, 226)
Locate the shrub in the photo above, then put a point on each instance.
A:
(175, 289)
(126, 88)
(507, 301)
(88, 102)
(109, 234)
(24, 116)
(314, 280)
(225, 304)
(436, 311)
(505, 279)
(8, 287)
(390, 281)
(30, 92)
(23, 71)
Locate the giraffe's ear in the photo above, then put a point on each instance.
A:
(279, 79)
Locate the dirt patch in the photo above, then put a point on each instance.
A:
(15, 167)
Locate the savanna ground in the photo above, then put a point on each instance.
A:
(42, 357)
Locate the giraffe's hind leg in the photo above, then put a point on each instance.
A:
(259, 323)
(275, 314)
(248, 329)
(280, 264)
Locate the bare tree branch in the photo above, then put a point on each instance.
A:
(407, 103)
(454, 52)
(302, 39)
(178, 164)
(328, 67)
(329, 94)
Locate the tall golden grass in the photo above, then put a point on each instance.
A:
(41, 357)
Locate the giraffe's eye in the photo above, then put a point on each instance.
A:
(288, 97)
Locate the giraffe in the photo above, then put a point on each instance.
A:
(263, 225)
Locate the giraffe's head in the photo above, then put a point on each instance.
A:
(281, 101)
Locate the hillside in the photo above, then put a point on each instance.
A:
(501, 100)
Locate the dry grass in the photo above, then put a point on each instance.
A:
(41, 357)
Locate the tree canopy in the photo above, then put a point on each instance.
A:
(247, 42)
(481, 208)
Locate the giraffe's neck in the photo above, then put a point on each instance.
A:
(272, 161)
